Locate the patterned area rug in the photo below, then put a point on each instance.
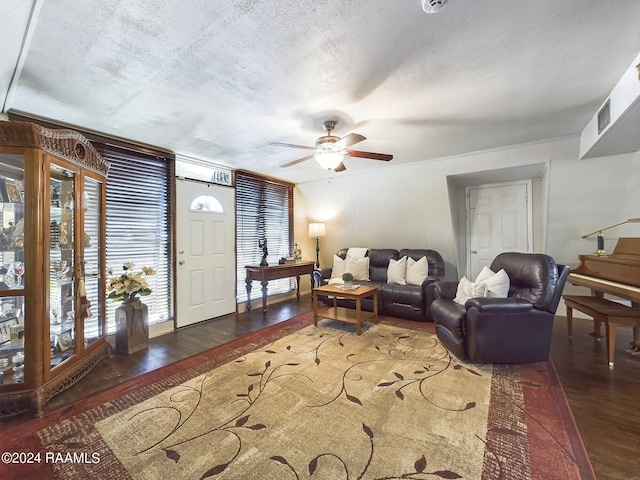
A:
(324, 403)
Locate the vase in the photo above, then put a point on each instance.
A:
(132, 327)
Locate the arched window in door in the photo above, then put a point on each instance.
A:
(206, 203)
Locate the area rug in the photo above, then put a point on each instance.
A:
(325, 403)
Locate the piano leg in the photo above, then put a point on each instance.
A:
(635, 344)
(611, 342)
(596, 322)
(596, 332)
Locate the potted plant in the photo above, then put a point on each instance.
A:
(132, 327)
(347, 278)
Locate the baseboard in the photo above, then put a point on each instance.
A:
(257, 302)
(162, 328)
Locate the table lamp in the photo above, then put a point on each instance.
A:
(601, 252)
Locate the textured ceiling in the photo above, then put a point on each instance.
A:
(219, 80)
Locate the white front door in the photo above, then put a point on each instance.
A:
(499, 221)
(205, 243)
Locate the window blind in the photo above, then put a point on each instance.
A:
(139, 224)
(264, 210)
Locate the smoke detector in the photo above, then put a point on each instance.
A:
(433, 6)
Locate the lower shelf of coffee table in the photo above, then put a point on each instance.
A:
(347, 315)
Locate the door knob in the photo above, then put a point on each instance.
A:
(474, 251)
(181, 252)
(181, 262)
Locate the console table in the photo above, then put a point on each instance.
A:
(274, 272)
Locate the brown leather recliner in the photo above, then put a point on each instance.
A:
(516, 329)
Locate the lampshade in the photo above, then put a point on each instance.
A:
(329, 160)
(317, 230)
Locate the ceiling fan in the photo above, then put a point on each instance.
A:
(330, 150)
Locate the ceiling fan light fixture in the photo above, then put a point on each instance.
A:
(329, 160)
(330, 151)
(433, 6)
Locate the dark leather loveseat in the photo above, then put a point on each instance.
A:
(403, 301)
(516, 329)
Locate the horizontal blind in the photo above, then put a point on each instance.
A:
(139, 224)
(264, 210)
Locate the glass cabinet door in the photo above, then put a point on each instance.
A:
(12, 220)
(62, 295)
(93, 295)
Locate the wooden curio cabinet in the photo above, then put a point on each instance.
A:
(52, 263)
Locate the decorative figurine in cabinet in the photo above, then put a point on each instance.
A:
(52, 263)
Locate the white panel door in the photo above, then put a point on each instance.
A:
(206, 270)
(499, 221)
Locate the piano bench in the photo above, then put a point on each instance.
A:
(604, 311)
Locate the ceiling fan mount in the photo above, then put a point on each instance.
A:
(330, 150)
(328, 140)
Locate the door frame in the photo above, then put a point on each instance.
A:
(529, 212)
(231, 207)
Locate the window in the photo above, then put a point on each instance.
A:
(264, 210)
(206, 203)
(139, 224)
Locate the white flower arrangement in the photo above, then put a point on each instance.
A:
(130, 284)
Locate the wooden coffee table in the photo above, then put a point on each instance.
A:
(348, 315)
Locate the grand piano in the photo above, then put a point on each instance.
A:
(617, 274)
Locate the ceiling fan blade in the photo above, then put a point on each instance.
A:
(340, 168)
(374, 156)
(349, 140)
(291, 145)
(295, 162)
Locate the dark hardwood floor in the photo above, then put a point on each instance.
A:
(177, 345)
(604, 401)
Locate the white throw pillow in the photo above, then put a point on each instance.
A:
(417, 271)
(356, 253)
(485, 273)
(339, 267)
(358, 268)
(396, 271)
(497, 283)
(468, 289)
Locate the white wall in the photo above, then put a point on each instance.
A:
(408, 206)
